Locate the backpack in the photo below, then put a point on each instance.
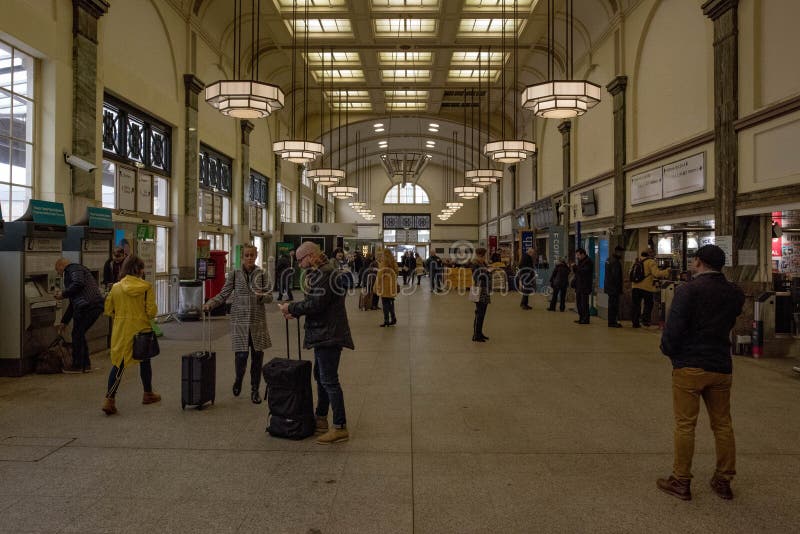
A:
(637, 272)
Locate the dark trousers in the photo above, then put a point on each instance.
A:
(404, 274)
(115, 376)
(526, 293)
(613, 309)
(82, 321)
(388, 310)
(560, 294)
(285, 284)
(637, 315)
(329, 391)
(480, 315)
(582, 301)
(256, 362)
(436, 281)
(375, 299)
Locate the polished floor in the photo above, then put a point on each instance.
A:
(548, 427)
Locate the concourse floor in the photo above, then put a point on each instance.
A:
(548, 427)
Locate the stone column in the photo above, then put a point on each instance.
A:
(724, 13)
(85, 14)
(535, 175)
(273, 202)
(513, 170)
(617, 89)
(241, 228)
(188, 224)
(565, 128)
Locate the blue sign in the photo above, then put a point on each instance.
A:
(527, 241)
(603, 256)
(100, 218)
(44, 212)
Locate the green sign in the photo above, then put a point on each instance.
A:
(145, 232)
(237, 257)
(44, 212)
(100, 218)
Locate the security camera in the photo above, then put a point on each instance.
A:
(79, 163)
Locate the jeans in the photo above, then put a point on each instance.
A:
(436, 281)
(480, 315)
(256, 361)
(285, 284)
(559, 293)
(613, 309)
(639, 295)
(388, 310)
(329, 391)
(115, 376)
(688, 385)
(82, 321)
(582, 302)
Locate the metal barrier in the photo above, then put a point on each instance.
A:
(166, 295)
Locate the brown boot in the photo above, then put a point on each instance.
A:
(722, 487)
(320, 425)
(108, 406)
(675, 487)
(149, 397)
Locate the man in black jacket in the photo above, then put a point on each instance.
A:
(584, 280)
(85, 306)
(559, 280)
(526, 277)
(327, 332)
(696, 339)
(612, 285)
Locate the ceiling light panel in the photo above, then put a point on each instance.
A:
(404, 4)
(471, 58)
(406, 95)
(406, 105)
(355, 106)
(336, 59)
(468, 75)
(478, 4)
(406, 75)
(358, 95)
(340, 75)
(488, 27)
(289, 4)
(405, 58)
(405, 27)
(323, 27)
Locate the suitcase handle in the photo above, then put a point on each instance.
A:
(205, 327)
(299, 346)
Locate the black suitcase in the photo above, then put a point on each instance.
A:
(289, 398)
(199, 372)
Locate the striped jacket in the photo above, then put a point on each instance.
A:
(248, 316)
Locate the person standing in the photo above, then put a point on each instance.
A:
(85, 306)
(526, 277)
(327, 332)
(249, 291)
(559, 280)
(612, 285)
(132, 304)
(386, 286)
(645, 290)
(435, 272)
(419, 267)
(584, 280)
(481, 277)
(284, 274)
(696, 339)
(113, 267)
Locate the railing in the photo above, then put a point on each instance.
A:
(166, 295)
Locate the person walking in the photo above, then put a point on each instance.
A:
(327, 332)
(386, 286)
(85, 306)
(113, 267)
(612, 285)
(559, 280)
(131, 303)
(584, 280)
(284, 275)
(435, 272)
(696, 339)
(481, 278)
(419, 267)
(644, 289)
(249, 291)
(526, 277)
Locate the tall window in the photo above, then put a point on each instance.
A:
(257, 202)
(305, 210)
(16, 130)
(214, 203)
(408, 194)
(306, 180)
(285, 203)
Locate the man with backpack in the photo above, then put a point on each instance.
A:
(643, 276)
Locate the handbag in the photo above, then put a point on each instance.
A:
(145, 343)
(475, 294)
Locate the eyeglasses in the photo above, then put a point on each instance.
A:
(300, 260)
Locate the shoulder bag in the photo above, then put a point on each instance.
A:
(145, 343)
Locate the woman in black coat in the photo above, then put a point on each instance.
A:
(559, 281)
(481, 278)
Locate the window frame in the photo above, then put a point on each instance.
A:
(116, 111)
(396, 191)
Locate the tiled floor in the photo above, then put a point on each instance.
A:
(548, 427)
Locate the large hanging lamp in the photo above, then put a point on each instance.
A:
(509, 150)
(326, 176)
(343, 191)
(560, 99)
(480, 176)
(245, 98)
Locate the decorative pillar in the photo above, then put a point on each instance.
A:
(188, 222)
(565, 128)
(617, 89)
(724, 13)
(85, 14)
(241, 230)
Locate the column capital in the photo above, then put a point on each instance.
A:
(193, 87)
(617, 85)
(565, 127)
(84, 17)
(95, 8)
(714, 9)
(246, 127)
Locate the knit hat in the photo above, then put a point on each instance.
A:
(711, 255)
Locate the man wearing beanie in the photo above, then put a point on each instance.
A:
(696, 339)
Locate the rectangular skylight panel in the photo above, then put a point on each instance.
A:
(468, 75)
(488, 27)
(334, 58)
(389, 4)
(407, 105)
(477, 4)
(418, 75)
(358, 95)
(339, 75)
(405, 27)
(289, 4)
(406, 95)
(318, 27)
(354, 106)
(406, 58)
(471, 58)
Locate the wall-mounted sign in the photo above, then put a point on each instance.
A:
(145, 232)
(100, 217)
(44, 212)
(687, 175)
(126, 193)
(144, 193)
(543, 214)
(725, 242)
(646, 187)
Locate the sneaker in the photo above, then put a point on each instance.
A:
(334, 435)
(149, 397)
(109, 406)
(320, 425)
(675, 487)
(721, 487)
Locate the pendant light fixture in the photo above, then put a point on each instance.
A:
(299, 151)
(326, 176)
(509, 150)
(343, 191)
(241, 98)
(480, 176)
(467, 192)
(560, 99)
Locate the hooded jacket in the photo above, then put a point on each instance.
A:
(326, 317)
(651, 272)
(131, 303)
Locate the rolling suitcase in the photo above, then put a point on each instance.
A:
(289, 399)
(365, 301)
(199, 372)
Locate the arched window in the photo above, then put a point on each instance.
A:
(408, 194)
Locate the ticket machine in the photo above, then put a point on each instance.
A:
(28, 253)
(89, 243)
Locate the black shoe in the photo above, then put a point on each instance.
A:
(636, 326)
(384, 324)
(237, 388)
(722, 487)
(526, 307)
(483, 338)
(646, 324)
(551, 309)
(562, 309)
(255, 397)
(615, 325)
(478, 339)
(393, 322)
(677, 488)
(581, 322)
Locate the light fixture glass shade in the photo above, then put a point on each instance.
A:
(298, 151)
(454, 204)
(484, 177)
(326, 177)
(468, 191)
(509, 150)
(244, 99)
(561, 99)
(357, 205)
(342, 191)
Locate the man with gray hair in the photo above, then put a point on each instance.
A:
(327, 332)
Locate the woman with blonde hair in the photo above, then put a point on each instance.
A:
(386, 286)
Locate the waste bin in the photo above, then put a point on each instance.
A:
(190, 300)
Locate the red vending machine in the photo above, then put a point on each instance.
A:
(215, 277)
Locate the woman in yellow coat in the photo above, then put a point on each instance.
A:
(131, 303)
(386, 286)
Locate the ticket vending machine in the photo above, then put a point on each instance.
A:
(89, 243)
(28, 253)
